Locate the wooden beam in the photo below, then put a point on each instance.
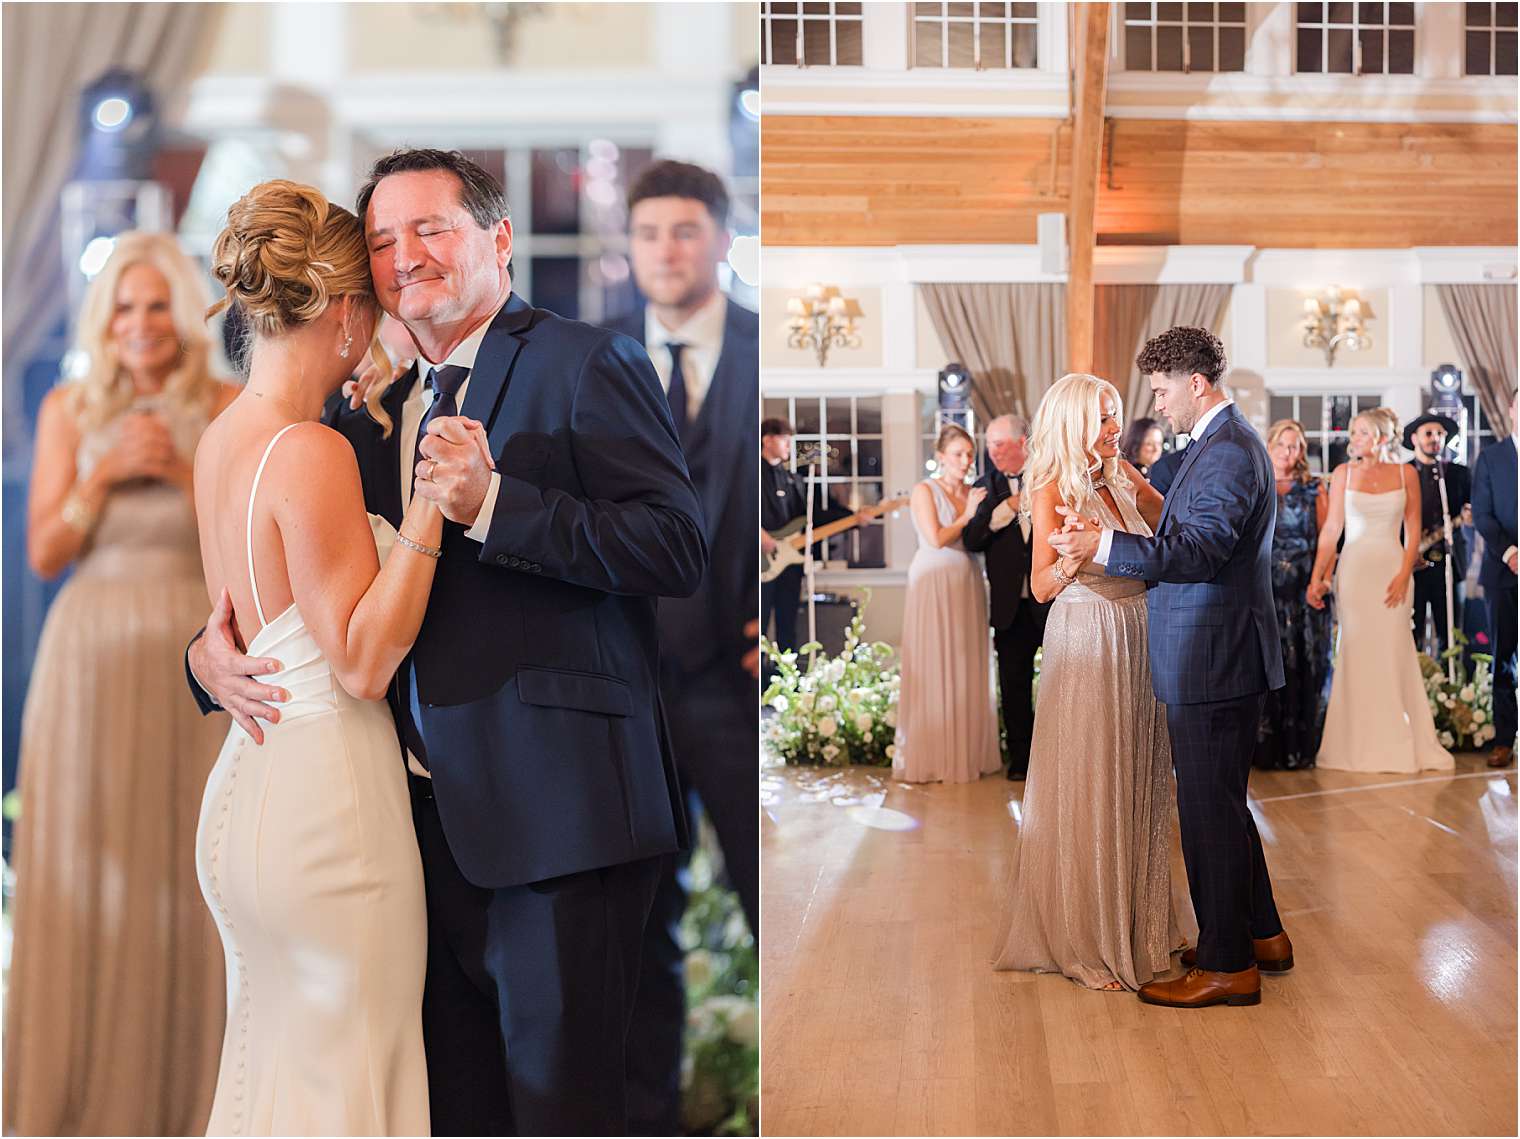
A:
(1088, 87)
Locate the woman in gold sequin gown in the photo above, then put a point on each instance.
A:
(1092, 896)
(116, 1001)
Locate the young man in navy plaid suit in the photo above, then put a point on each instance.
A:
(1214, 653)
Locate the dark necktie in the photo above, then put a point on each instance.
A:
(676, 392)
(445, 382)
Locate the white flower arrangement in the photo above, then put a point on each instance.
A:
(1463, 708)
(829, 711)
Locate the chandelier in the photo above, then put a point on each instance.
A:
(820, 319)
(1333, 321)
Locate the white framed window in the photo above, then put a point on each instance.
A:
(1354, 39)
(1326, 417)
(1490, 38)
(1184, 37)
(979, 36)
(812, 33)
(842, 435)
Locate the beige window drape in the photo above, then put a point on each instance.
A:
(1011, 337)
(1126, 316)
(1483, 323)
(51, 53)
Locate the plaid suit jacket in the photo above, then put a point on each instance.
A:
(1213, 628)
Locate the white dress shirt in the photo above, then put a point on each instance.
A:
(1106, 540)
(702, 335)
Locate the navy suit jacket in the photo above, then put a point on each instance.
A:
(1213, 628)
(1164, 470)
(537, 660)
(707, 629)
(1493, 507)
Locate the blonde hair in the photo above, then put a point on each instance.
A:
(1066, 427)
(1384, 422)
(1301, 471)
(285, 255)
(105, 390)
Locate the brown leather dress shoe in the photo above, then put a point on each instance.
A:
(1501, 757)
(1273, 954)
(1199, 988)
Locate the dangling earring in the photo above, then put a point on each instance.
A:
(348, 343)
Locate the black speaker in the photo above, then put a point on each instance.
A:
(834, 614)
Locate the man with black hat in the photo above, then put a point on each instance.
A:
(1445, 488)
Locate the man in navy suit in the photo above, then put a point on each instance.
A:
(705, 349)
(1214, 652)
(1493, 507)
(544, 791)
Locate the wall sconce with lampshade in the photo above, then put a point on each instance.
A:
(1334, 320)
(822, 318)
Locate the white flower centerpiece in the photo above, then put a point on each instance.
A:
(841, 709)
(1463, 707)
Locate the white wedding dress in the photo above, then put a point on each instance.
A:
(1379, 718)
(309, 862)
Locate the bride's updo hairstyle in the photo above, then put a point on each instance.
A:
(1383, 422)
(285, 255)
(1063, 441)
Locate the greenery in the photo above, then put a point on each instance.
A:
(720, 1076)
(841, 709)
(1463, 708)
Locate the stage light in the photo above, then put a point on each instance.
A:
(749, 104)
(954, 388)
(113, 113)
(95, 255)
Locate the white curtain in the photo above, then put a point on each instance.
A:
(51, 53)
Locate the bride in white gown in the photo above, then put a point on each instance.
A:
(305, 849)
(1379, 718)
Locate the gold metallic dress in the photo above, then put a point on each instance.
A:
(1091, 885)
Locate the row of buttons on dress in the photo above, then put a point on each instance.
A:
(512, 561)
(242, 965)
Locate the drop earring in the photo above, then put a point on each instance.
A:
(348, 342)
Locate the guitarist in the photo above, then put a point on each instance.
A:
(1001, 532)
(1426, 437)
(783, 497)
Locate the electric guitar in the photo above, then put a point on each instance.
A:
(791, 538)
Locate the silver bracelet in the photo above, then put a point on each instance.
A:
(426, 551)
(1061, 575)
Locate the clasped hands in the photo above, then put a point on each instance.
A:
(1078, 536)
(454, 472)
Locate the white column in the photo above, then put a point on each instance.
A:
(1269, 39)
(684, 37)
(899, 338)
(1051, 40)
(1439, 41)
(884, 31)
(1246, 345)
(899, 431)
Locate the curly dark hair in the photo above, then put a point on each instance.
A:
(670, 179)
(1183, 350)
(479, 192)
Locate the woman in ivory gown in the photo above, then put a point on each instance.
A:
(306, 850)
(1379, 718)
(1091, 884)
(946, 724)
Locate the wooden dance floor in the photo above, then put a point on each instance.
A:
(882, 1016)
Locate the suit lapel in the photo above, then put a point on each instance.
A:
(1188, 459)
(493, 366)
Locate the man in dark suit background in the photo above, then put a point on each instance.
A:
(1494, 510)
(1214, 654)
(1164, 470)
(1000, 531)
(544, 790)
(1426, 436)
(705, 349)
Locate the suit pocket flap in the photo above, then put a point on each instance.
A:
(586, 691)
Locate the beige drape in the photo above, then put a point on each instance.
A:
(1012, 337)
(1483, 323)
(51, 53)
(1126, 316)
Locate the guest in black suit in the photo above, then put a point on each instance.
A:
(705, 349)
(1426, 437)
(1000, 531)
(783, 498)
(1494, 509)
(1164, 470)
(544, 788)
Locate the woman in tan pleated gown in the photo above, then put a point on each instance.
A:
(946, 721)
(1091, 889)
(116, 998)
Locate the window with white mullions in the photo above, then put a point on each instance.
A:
(1184, 37)
(840, 437)
(812, 33)
(1355, 39)
(1326, 418)
(979, 36)
(1490, 44)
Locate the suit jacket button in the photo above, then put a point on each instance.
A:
(537, 568)
(501, 559)
(514, 562)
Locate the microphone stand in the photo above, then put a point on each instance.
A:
(1451, 601)
(808, 567)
